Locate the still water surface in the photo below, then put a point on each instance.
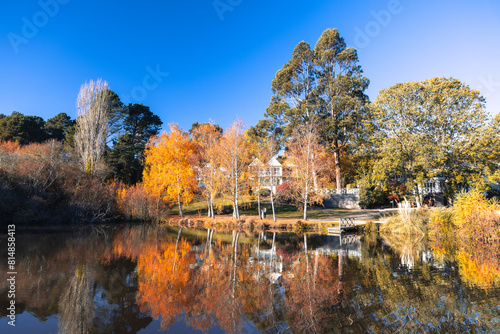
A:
(150, 279)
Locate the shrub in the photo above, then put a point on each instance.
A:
(300, 227)
(365, 195)
(93, 201)
(408, 221)
(285, 193)
(134, 202)
(40, 183)
(475, 216)
(441, 222)
(370, 196)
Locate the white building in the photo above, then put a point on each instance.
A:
(272, 173)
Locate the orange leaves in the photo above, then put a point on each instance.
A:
(207, 138)
(235, 158)
(472, 228)
(308, 158)
(168, 172)
(484, 273)
(135, 202)
(164, 276)
(9, 146)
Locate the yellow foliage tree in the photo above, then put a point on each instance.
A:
(306, 155)
(207, 137)
(168, 172)
(235, 156)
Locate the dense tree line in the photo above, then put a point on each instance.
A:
(224, 166)
(33, 129)
(63, 170)
(324, 85)
(412, 132)
(329, 133)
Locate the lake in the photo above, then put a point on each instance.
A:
(149, 278)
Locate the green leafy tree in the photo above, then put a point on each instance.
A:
(294, 95)
(197, 125)
(341, 87)
(323, 85)
(126, 157)
(126, 166)
(432, 128)
(22, 129)
(116, 115)
(141, 124)
(58, 126)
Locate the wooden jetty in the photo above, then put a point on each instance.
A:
(345, 225)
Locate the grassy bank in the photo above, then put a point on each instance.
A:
(249, 207)
(249, 224)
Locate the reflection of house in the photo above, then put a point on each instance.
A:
(272, 173)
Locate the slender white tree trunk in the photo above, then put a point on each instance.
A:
(212, 215)
(258, 203)
(180, 206)
(272, 206)
(305, 206)
(236, 191)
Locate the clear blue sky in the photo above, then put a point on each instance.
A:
(221, 65)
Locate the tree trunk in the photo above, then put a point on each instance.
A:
(176, 244)
(210, 242)
(272, 205)
(273, 250)
(315, 181)
(180, 205)
(305, 208)
(208, 239)
(158, 208)
(236, 213)
(305, 248)
(338, 172)
(178, 238)
(258, 203)
(211, 208)
(258, 249)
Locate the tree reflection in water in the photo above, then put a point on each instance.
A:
(280, 283)
(76, 306)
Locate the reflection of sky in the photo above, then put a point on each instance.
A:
(371, 285)
(27, 323)
(218, 69)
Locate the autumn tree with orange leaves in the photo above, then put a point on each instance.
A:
(168, 172)
(235, 151)
(307, 156)
(207, 137)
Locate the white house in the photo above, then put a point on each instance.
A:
(271, 173)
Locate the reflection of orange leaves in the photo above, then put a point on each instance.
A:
(482, 273)
(210, 288)
(164, 275)
(438, 252)
(312, 290)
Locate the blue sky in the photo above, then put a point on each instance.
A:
(221, 63)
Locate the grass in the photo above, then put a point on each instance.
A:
(248, 207)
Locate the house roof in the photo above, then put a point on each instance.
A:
(256, 162)
(273, 162)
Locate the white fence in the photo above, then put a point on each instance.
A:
(343, 191)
